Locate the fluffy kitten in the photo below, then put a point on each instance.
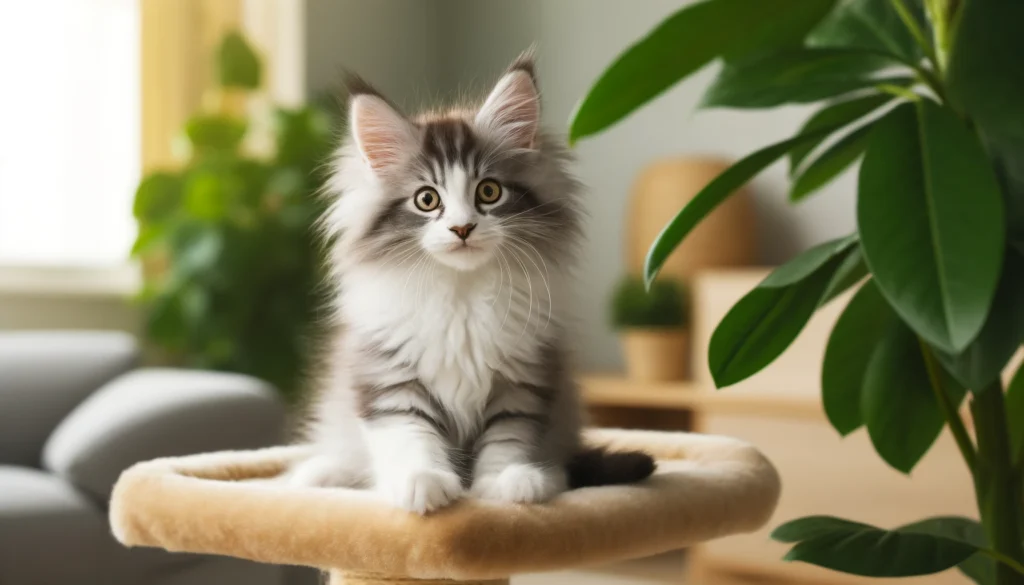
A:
(449, 372)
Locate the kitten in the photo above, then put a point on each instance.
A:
(450, 371)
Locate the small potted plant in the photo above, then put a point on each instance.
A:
(652, 325)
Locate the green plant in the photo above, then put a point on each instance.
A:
(634, 305)
(233, 265)
(928, 94)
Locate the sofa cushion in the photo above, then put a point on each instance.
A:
(44, 375)
(151, 413)
(51, 533)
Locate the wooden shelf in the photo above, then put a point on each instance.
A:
(613, 391)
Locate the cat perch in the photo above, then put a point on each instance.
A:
(229, 504)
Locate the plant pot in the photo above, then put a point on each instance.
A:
(656, 355)
(726, 237)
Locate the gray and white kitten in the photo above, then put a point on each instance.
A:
(449, 373)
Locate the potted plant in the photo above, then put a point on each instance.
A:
(652, 325)
(233, 265)
(926, 96)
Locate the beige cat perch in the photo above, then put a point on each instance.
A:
(228, 504)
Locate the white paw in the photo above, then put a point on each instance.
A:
(520, 483)
(421, 491)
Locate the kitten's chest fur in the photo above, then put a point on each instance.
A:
(456, 331)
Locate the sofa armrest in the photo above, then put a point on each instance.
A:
(44, 375)
(152, 413)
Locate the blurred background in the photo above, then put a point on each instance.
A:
(160, 286)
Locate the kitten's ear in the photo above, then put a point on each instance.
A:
(382, 134)
(512, 111)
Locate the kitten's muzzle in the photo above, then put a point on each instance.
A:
(463, 231)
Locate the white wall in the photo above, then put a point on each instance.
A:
(394, 44)
(416, 49)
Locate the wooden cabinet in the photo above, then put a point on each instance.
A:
(779, 411)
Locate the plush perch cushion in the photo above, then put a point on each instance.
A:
(227, 503)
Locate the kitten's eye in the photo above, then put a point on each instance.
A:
(427, 199)
(488, 191)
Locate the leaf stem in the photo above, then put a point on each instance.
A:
(898, 91)
(915, 30)
(1001, 558)
(931, 80)
(940, 13)
(956, 424)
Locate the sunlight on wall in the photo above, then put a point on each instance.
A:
(69, 144)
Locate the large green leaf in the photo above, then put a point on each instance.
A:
(985, 77)
(978, 567)
(810, 527)
(850, 272)
(215, 133)
(717, 191)
(930, 216)
(765, 322)
(238, 65)
(835, 115)
(985, 80)
(1008, 159)
(866, 24)
(807, 263)
(984, 359)
(830, 164)
(197, 252)
(898, 404)
(794, 76)
(208, 195)
(685, 42)
(157, 196)
(861, 549)
(850, 347)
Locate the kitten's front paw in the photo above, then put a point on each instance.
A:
(520, 483)
(422, 491)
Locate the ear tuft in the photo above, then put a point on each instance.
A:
(355, 85)
(512, 111)
(526, 62)
(381, 133)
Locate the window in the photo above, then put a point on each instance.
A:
(69, 131)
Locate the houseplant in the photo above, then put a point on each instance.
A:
(232, 263)
(651, 324)
(928, 94)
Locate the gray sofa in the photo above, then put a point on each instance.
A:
(74, 412)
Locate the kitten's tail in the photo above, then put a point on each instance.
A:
(598, 466)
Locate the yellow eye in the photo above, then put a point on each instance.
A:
(427, 199)
(488, 191)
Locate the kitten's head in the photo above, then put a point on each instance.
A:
(459, 187)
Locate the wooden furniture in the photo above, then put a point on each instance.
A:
(779, 411)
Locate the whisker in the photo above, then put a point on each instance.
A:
(511, 289)
(543, 277)
(529, 283)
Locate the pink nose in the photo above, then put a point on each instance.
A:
(463, 230)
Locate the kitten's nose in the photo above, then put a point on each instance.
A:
(463, 230)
